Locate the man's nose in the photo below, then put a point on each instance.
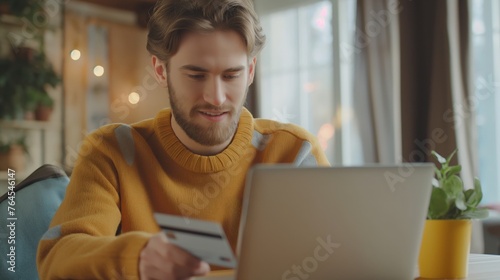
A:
(215, 92)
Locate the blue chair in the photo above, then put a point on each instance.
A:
(36, 201)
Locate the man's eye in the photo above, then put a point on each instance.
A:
(231, 77)
(196, 76)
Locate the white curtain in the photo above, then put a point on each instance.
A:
(464, 114)
(376, 85)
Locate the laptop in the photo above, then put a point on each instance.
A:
(333, 222)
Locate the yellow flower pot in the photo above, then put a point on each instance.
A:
(444, 251)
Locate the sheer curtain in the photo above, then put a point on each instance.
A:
(462, 92)
(333, 68)
(375, 89)
(484, 104)
(298, 70)
(376, 85)
(463, 96)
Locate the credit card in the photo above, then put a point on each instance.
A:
(204, 239)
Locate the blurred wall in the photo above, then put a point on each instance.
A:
(129, 71)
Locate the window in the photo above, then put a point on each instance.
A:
(485, 19)
(299, 69)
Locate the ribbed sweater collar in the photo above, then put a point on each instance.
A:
(199, 163)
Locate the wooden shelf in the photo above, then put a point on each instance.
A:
(32, 125)
(44, 127)
(11, 20)
(15, 21)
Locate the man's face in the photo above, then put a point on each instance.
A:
(207, 80)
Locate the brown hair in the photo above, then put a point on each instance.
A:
(172, 18)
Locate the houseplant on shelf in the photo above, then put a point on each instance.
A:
(24, 81)
(21, 8)
(13, 154)
(446, 239)
(44, 107)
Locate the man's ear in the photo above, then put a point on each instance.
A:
(160, 71)
(251, 70)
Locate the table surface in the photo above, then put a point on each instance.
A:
(484, 267)
(481, 267)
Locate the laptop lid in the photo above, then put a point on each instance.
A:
(333, 222)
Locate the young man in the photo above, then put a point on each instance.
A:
(190, 160)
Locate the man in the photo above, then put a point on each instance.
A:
(190, 160)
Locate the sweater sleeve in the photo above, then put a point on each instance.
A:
(318, 153)
(81, 241)
(310, 152)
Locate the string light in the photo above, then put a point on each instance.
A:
(134, 98)
(75, 54)
(98, 71)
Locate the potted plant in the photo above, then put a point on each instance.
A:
(446, 239)
(13, 154)
(30, 103)
(44, 107)
(21, 8)
(24, 81)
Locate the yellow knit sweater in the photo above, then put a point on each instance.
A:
(126, 173)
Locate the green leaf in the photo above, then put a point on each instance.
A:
(468, 194)
(453, 170)
(451, 156)
(453, 186)
(480, 213)
(3, 79)
(439, 158)
(473, 200)
(438, 173)
(439, 204)
(435, 183)
(478, 189)
(460, 201)
(444, 170)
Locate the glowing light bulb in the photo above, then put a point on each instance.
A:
(98, 70)
(134, 98)
(75, 54)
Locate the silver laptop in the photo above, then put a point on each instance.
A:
(333, 223)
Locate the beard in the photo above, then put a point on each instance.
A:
(209, 135)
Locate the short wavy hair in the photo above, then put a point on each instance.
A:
(173, 18)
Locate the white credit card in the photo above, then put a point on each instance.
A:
(204, 239)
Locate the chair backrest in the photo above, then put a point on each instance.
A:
(36, 201)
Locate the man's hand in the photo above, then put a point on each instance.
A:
(161, 260)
